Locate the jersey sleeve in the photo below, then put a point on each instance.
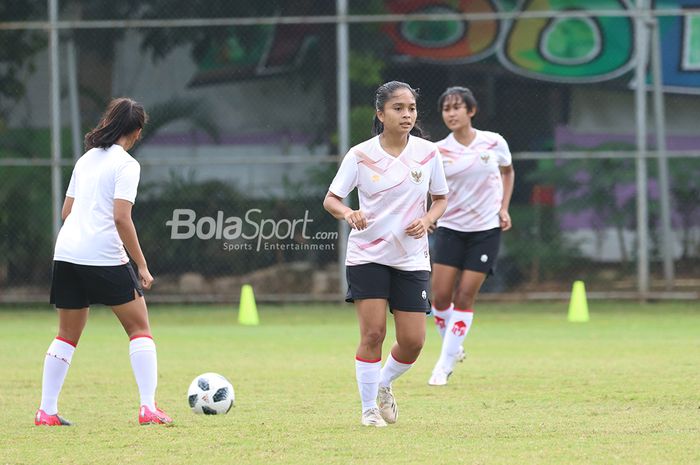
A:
(502, 150)
(70, 192)
(438, 182)
(346, 178)
(127, 181)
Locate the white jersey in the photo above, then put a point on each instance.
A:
(474, 178)
(393, 192)
(89, 235)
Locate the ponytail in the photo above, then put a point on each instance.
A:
(122, 117)
(377, 126)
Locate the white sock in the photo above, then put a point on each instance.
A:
(367, 374)
(56, 364)
(442, 318)
(392, 369)
(459, 325)
(144, 363)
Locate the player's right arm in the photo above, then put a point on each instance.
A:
(67, 207)
(345, 181)
(70, 198)
(335, 206)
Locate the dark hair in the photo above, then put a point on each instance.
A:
(123, 116)
(384, 93)
(463, 92)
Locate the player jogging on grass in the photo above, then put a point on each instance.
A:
(480, 177)
(387, 257)
(91, 265)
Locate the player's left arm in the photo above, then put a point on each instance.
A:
(67, 207)
(418, 228)
(438, 191)
(508, 178)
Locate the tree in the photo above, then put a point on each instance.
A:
(17, 49)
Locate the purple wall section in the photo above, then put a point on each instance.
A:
(567, 139)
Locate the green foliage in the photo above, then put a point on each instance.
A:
(685, 189)
(361, 117)
(592, 184)
(18, 49)
(161, 41)
(366, 69)
(536, 245)
(26, 143)
(26, 232)
(605, 187)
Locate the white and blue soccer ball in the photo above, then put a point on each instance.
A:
(211, 394)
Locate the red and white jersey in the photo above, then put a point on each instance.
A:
(474, 179)
(393, 192)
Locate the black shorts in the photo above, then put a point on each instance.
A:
(475, 251)
(404, 290)
(79, 286)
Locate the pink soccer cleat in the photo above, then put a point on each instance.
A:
(43, 419)
(149, 417)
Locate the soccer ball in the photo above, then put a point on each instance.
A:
(210, 394)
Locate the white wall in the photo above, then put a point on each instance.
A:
(612, 111)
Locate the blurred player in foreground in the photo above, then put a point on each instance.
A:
(480, 177)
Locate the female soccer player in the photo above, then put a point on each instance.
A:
(480, 177)
(90, 261)
(387, 257)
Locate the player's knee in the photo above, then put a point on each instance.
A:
(412, 344)
(373, 337)
(417, 345)
(464, 299)
(138, 331)
(442, 301)
(73, 336)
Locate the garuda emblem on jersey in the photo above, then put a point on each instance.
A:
(416, 175)
(485, 157)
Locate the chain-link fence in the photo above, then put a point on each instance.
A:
(248, 113)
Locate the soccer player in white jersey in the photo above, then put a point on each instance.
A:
(387, 259)
(91, 265)
(480, 176)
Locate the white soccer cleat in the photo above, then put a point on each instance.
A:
(387, 405)
(461, 355)
(439, 377)
(373, 417)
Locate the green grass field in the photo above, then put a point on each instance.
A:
(535, 389)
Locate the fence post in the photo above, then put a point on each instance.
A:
(56, 181)
(343, 76)
(660, 123)
(641, 129)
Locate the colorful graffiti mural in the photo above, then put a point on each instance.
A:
(573, 50)
(582, 49)
(680, 45)
(444, 41)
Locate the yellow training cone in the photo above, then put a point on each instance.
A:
(578, 306)
(248, 311)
